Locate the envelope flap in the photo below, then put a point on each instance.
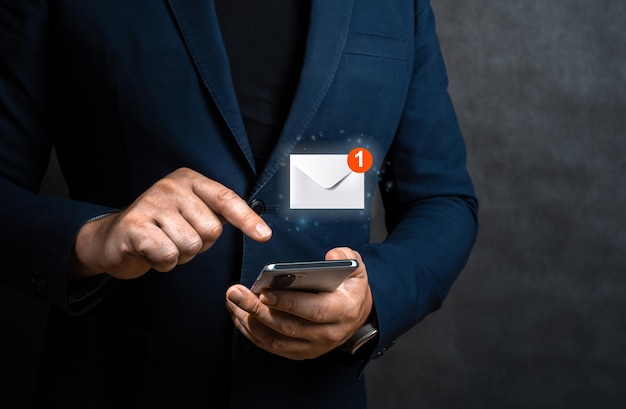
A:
(325, 170)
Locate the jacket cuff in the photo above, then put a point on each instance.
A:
(85, 294)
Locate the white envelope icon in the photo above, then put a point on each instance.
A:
(324, 182)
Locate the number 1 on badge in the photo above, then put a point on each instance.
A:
(360, 160)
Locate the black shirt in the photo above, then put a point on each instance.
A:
(265, 41)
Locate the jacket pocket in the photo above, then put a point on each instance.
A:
(376, 45)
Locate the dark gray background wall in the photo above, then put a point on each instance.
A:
(538, 318)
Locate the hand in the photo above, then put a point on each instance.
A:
(177, 218)
(301, 325)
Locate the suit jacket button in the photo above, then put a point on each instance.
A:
(258, 206)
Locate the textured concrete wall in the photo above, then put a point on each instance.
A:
(538, 317)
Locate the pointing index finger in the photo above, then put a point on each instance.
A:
(231, 207)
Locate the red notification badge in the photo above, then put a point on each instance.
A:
(360, 160)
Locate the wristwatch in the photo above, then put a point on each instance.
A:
(363, 335)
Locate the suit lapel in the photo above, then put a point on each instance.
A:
(328, 31)
(200, 30)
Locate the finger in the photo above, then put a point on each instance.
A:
(186, 239)
(267, 338)
(230, 206)
(357, 281)
(283, 333)
(243, 298)
(340, 253)
(194, 229)
(343, 253)
(280, 344)
(275, 343)
(150, 242)
(240, 319)
(319, 308)
(206, 223)
(249, 303)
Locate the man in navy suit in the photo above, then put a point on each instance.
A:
(187, 133)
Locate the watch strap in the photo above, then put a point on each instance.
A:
(360, 338)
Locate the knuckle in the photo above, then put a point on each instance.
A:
(225, 194)
(335, 337)
(289, 303)
(277, 344)
(214, 230)
(166, 185)
(290, 328)
(249, 217)
(231, 201)
(255, 308)
(320, 313)
(168, 256)
(210, 231)
(162, 256)
(183, 172)
(192, 247)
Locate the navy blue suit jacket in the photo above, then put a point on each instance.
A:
(128, 91)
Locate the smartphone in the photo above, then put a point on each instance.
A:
(312, 276)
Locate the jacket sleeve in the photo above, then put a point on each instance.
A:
(430, 204)
(37, 232)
